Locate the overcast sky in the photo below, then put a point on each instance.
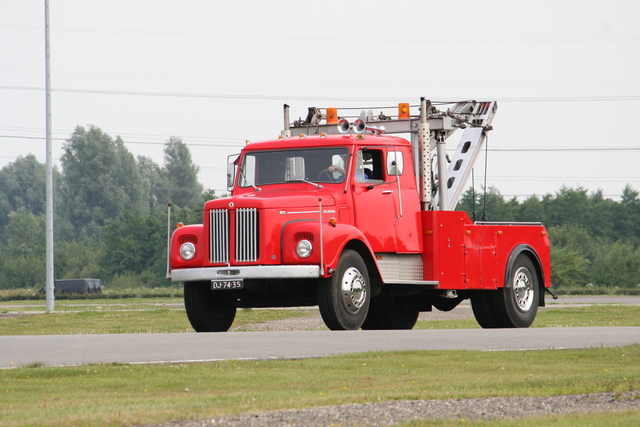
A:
(566, 75)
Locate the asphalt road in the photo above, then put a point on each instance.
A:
(57, 350)
(64, 350)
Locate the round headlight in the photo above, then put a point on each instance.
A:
(187, 251)
(304, 248)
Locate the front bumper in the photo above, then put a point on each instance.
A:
(246, 272)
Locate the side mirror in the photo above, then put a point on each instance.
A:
(231, 171)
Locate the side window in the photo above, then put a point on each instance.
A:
(369, 166)
(248, 172)
(395, 163)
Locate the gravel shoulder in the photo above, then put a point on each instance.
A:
(395, 412)
(313, 321)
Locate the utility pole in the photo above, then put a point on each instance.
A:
(49, 197)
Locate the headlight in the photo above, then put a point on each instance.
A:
(304, 248)
(187, 251)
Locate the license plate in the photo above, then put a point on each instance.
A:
(226, 284)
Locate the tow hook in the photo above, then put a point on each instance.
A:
(552, 294)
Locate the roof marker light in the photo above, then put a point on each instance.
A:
(302, 136)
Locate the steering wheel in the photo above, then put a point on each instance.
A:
(329, 175)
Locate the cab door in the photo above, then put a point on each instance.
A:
(374, 199)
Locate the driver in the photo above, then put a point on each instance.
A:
(338, 174)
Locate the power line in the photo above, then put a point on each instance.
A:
(309, 98)
(213, 144)
(438, 39)
(240, 144)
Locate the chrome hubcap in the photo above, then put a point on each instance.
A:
(523, 288)
(354, 292)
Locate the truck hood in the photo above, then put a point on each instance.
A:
(273, 199)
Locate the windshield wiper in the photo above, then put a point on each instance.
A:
(246, 181)
(308, 182)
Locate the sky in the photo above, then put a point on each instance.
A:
(566, 75)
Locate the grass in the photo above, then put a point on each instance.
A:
(146, 315)
(588, 315)
(113, 318)
(34, 294)
(141, 394)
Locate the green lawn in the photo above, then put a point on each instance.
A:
(166, 315)
(118, 394)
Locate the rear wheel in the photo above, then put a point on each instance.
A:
(513, 306)
(399, 312)
(516, 304)
(482, 306)
(206, 309)
(343, 298)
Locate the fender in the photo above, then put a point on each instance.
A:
(524, 248)
(334, 240)
(188, 233)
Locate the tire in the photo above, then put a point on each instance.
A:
(516, 305)
(399, 312)
(371, 321)
(482, 306)
(344, 298)
(206, 309)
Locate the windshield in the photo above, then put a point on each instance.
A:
(325, 165)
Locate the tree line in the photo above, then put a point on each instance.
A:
(110, 212)
(110, 218)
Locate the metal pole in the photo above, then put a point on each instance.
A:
(442, 173)
(49, 197)
(287, 127)
(168, 240)
(424, 140)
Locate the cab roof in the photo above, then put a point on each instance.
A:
(318, 141)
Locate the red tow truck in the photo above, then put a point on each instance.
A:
(339, 212)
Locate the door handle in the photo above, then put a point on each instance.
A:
(387, 192)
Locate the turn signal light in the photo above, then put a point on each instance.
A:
(332, 116)
(404, 111)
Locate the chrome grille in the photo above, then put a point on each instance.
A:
(219, 246)
(246, 235)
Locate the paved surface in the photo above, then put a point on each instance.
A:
(155, 348)
(289, 341)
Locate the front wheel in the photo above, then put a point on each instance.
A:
(344, 298)
(207, 310)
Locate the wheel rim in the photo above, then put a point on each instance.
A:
(523, 291)
(354, 292)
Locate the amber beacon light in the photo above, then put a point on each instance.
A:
(404, 111)
(332, 116)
